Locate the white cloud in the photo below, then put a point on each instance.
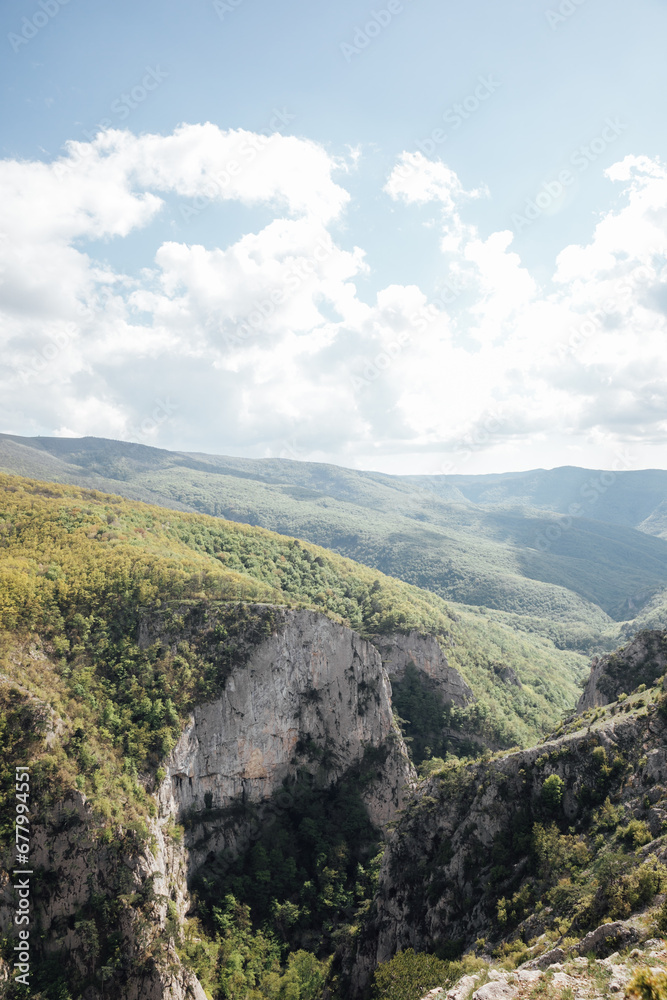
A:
(265, 345)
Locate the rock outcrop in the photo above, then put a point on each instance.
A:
(79, 869)
(310, 697)
(442, 877)
(640, 662)
(426, 655)
(314, 688)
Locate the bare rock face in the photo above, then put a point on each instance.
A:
(641, 662)
(608, 938)
(314, 695)
(436, 881)
(425, 653)
(80, 865)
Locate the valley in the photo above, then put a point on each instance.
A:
(260, 769)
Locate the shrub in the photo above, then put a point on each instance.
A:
(648, 985)
(662, 918)
(635, 834)
(409, 975)
(552, 793)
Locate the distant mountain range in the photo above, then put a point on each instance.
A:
(576, 555)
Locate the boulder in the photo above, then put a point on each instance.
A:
(500, 989)
(608, 938)
(463, 988)
(544, 961)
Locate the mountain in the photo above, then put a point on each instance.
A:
(574, 555)
(172, 682)
(215, 798)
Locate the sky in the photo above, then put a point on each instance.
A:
(411, 236)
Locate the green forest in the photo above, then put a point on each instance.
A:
(504, 544)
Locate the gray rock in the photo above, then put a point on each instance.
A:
(544, 961)
(529, 975)
(312, 683)
(463, 988)
(498, 990)
(608, 938)
(425, 653)
(643, 658)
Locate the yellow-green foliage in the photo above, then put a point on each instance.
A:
(66, 549)
(648, 985)
(588, 878)
(80, 570)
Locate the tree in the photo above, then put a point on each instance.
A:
(552, 793)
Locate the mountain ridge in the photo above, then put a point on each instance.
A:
(579, 580)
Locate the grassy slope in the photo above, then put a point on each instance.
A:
(423, 529)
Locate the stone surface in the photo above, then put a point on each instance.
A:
(563, 980)
(314, 695)
(68, 848)
(529, 975)
(608, 938)
(498, 990)
(460, 813)
(463, 988)
(641, 661)
(425, 652)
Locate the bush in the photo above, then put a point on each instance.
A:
(409, 975)
(648, 985)
(552, 793)
(662, 918)
(635, 834)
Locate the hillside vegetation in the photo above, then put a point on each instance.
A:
(506, 544)
(79, 570)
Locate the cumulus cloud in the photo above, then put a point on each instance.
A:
(264, 344)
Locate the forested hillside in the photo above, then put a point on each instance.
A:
(96, 710)
(97, 704)
(566, 554)
(81, 568)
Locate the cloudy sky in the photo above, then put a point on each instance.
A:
(412, 236)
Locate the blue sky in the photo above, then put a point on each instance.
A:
(500, 100)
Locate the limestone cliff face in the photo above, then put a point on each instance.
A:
(313, 695)
(640, 662)
(425, 652)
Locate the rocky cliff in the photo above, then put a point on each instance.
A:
(426, 655)
(500, 848)
(86, 881)
(310, 698)
(640, 662)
